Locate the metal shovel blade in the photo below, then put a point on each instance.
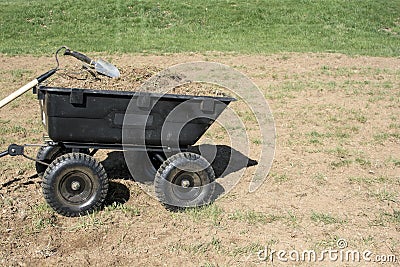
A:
(106, 68)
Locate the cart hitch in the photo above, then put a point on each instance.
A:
(13, 150)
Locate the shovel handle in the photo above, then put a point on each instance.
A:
(79, 56)
(19, 92)
(27, 87)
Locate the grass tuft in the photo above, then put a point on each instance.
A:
(325, 218)
(208, 212)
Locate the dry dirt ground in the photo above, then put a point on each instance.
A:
(335, 175)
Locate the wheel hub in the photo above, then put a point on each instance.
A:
(75, 185)
(185, 183)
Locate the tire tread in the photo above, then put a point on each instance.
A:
(168, 165)
(86, 160)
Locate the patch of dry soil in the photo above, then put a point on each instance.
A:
(336, 172)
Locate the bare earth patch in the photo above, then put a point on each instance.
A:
(336, 172)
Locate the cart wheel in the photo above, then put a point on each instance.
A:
(185, 180)
(47, 154)
(75, 184)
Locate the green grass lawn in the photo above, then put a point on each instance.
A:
(366, 27)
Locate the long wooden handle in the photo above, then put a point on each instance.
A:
(19, 92)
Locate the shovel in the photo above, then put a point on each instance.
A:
(101, 66)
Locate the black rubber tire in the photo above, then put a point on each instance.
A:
(185, 168)
(47, 154)
(82, 172)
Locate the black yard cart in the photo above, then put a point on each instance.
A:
(79, 122)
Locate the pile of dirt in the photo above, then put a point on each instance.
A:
(131, 79)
